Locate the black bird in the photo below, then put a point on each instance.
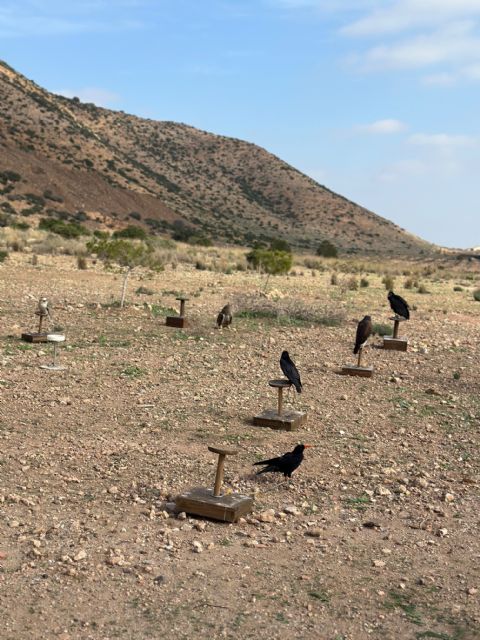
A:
(364, 329)
(285, 464)
(399, 305)
(290, 370)
(224, 318)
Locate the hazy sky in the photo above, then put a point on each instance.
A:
(378, 100)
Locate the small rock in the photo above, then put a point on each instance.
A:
(314, 532)
(266, 516)
(448, 497)
(292, 510)
(81, 555)
(379, 563)
(197, 546)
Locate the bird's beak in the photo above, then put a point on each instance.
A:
(308, 446)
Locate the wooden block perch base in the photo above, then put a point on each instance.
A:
(280, 419)
(212, 504)
(38, 336)
(35, 337)
(363, 372)
(358, 370)
(395, 344)
(201, 502)
(178, 321)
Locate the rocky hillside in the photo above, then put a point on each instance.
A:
(63, 158)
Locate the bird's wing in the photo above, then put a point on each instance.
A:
(271, 461)
(220, 319)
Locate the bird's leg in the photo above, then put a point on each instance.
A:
(359, 361)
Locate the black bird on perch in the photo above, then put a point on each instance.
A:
(290, 371)
(399, 305)
(224, 318)
(285, 464)
(364, 330)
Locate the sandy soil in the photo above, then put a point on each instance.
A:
(375, 537)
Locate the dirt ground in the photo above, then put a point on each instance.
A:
(375, 537)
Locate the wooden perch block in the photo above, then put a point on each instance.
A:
(211, 504)
(201, 502)
(352, 370)
(395, 344)
(285, 420)
(34, 337)
(180, 322)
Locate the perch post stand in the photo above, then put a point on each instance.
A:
(280, 419)
(222, 453)
(38, 336)
(178, 321)
(395, 343)
(212, 504)
(358, 370)
(55, 338)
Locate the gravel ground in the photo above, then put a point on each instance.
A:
(375, 537)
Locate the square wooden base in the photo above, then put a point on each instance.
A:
(363, 372)
(176, 321)
(35, 337)
(288, 421)
(202, 502)
(394, 344)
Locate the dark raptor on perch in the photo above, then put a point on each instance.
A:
(285, 464)
(364, 329)
(399, 306)
(290, 371)
(224, 318)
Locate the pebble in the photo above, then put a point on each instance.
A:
(81, 555)
(197, 546)
(292, 510)
(266, 516)
(379, 563)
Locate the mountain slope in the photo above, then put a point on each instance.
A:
(108, 167)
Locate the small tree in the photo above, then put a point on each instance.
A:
(327, 249)
(270, 262)
(127, 255)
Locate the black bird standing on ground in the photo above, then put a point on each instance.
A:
(224, 318)
(364, 329)
(290, 370)
(399, 305)
(285, 464)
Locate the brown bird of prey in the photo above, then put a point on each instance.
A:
(224, 318)
(364, 330)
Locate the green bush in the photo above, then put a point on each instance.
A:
(131, 232)
(476, 295)
(382, 329)
(389, 282)
(458, 288)
(64, 229)
(327, 249)
(3, 255)
(272, 262)
(81, 262)
(364, 283)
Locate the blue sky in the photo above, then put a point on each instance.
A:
(378, 100)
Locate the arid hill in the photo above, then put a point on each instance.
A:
(64, 158)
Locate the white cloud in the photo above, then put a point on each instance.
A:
(403, 169)
(402, 15)
(387, 126)
(442, 140)
(100, 97)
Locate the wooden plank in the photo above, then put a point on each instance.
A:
(395, 344)
(363, 372)
(35, 337)
(201, 502)
(288, 421)
(176, 321)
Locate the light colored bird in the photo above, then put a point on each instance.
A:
(224, 318)
(43, 308)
